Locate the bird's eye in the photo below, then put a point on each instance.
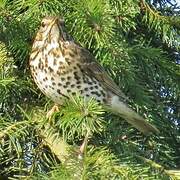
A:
(43, 24)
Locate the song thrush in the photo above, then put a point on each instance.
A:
(62, 68)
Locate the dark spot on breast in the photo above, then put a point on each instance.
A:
(50, 69)
(86, 89)
(84, 80)
(59, 84)
(64, 86)
(96, 93)
(67, 60)
(82, 71)
(62, 51)
(42, 66)
(78, 82)
(72, 85)
(61, 63)
(76, 76)
(102, 92)
(78, 65)
(68, 83)
(90, 83)
(91, 88)
(75, 73)
(55, 61)
(68, 78)
(79, 87)
(62, 79)
(59, 73)
(46, 60)
(72, 54)
(39, 65)
(94, 81)
(53, 83)
(52, 79)
(68, 90)
(58, 55)
(58, 91)
(73, 93)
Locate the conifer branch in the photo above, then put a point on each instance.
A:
(165, 26)
(12, 128)
(56, 144)
(172, 173)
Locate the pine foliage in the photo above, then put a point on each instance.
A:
(137, 42)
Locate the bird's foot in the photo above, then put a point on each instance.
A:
(54, 109)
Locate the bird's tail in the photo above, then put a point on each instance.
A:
(131, 116)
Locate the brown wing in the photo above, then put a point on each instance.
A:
(93, 68)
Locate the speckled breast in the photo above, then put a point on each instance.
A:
(58, 75)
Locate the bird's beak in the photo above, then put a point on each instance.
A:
(60, 24)
(55, 21)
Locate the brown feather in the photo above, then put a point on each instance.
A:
(94, 69)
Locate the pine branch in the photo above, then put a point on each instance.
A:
(175, 174)
(56, 144)
(13, 128)
(79, 117)
(165, 26)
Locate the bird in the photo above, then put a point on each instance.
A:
(62, 68)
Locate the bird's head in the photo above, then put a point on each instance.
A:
(53, 27)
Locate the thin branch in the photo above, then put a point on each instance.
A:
(11, 127)
(56, 143)
(171, 173)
